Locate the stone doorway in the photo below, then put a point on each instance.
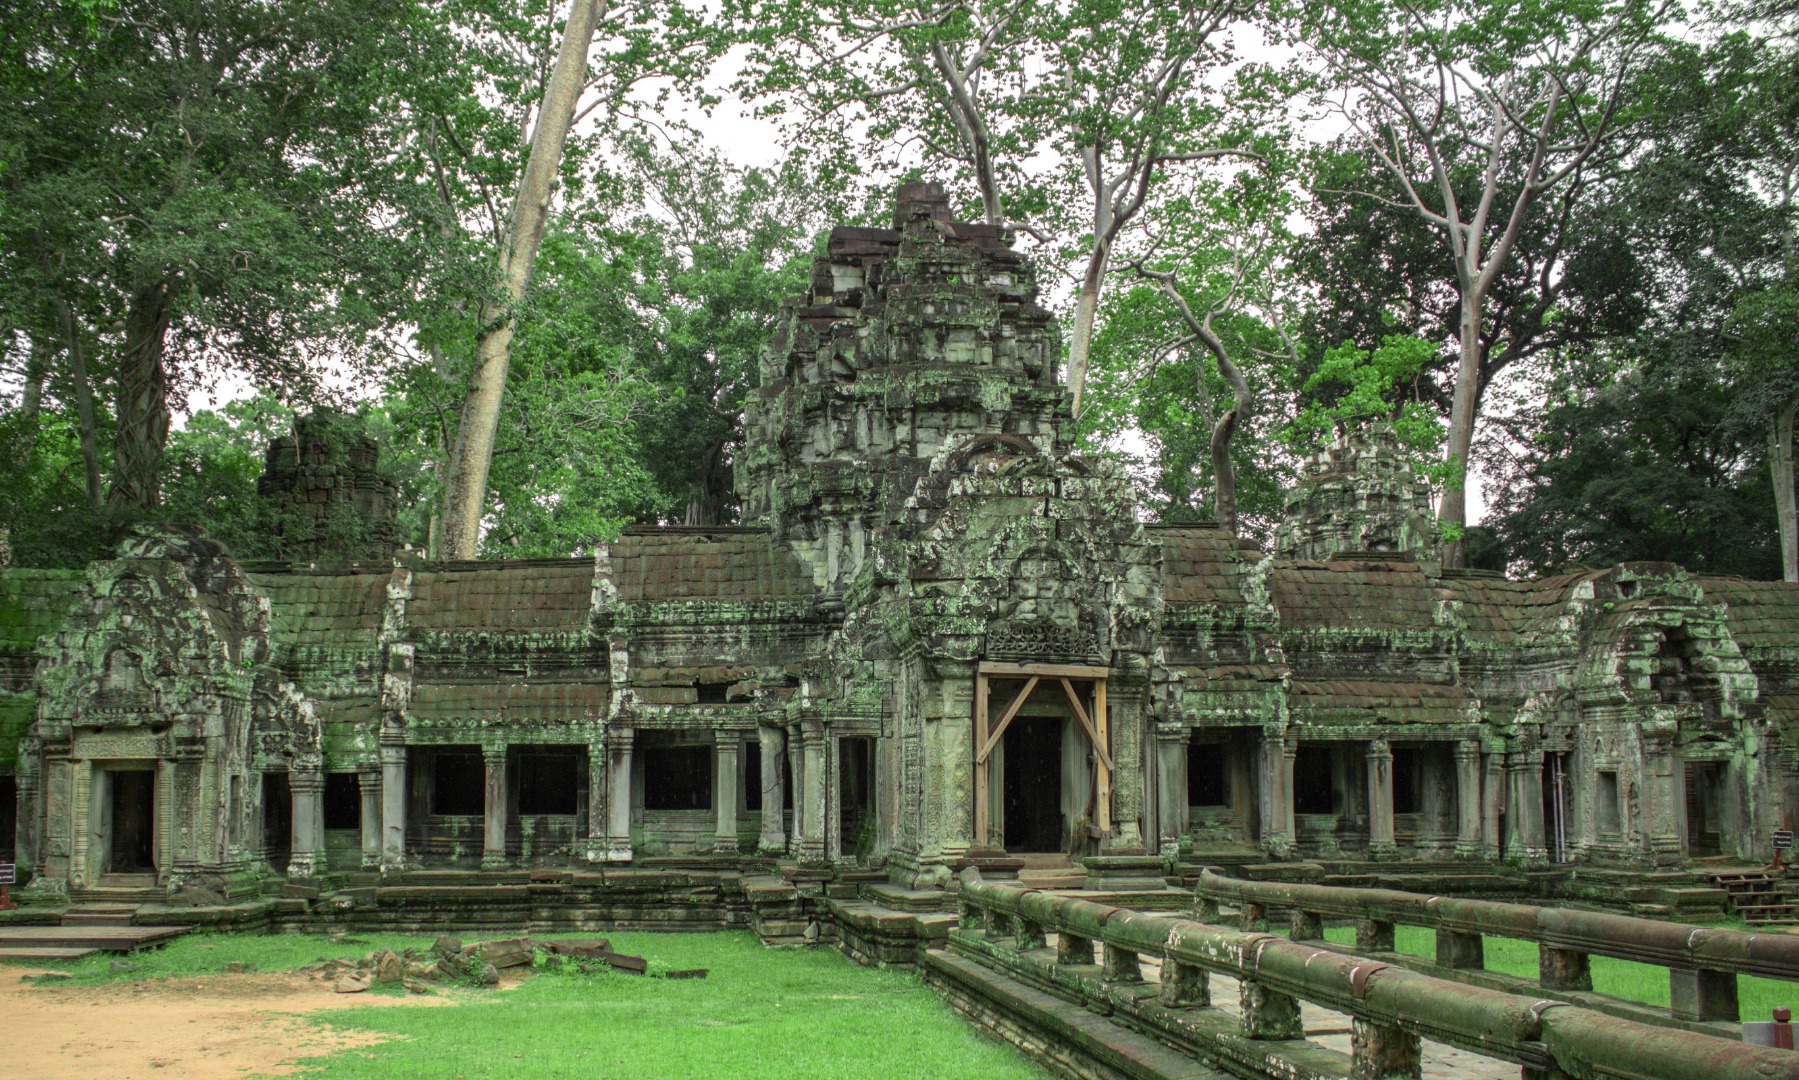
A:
(132, 813)
(1043, 767)
(1033, 820)
(1704, 788)
(277, 820)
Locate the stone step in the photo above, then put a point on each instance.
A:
(43, 952)
(1052, 879)
(121, 939)
(89, 918)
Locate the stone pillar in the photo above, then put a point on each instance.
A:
(597, 801)
(393, 807)
(1276, 787)
(1026, 934)
(1663, 798)
(1171, 791)
(1373, 935)
(724, 792)
(30, 817)
(1467, 798)
(493, 833)
(1524, 813)
(1305, 926)
(368, 791)
(1461, 951)
(796, 776)
(1121, 965)
(1073, 949)
(306, 784)
(1563, 969)
(1380, 799)
(1383, 1052)
(773, 840)
(1702, 995)
(618, 795)
(1492, 799)
(812, 789)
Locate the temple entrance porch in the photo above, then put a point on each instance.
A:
(1043, 770)
(131, 821)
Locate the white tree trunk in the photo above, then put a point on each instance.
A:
(1452, 509)
(465, 494)
(1780, 460)
(1086, 310)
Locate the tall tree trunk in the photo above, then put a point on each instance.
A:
(142, 412)
(1224, 470)
(470, 457)
(84, 402)
(31, 397)
(1086, 311)
(1452, 509)
(1780, 461)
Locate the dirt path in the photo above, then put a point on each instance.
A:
(200, 1028)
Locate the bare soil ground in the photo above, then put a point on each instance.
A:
(204, 1028)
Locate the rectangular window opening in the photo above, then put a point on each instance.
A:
(752, 776)
(549, 781)
(714, 693)
(677, 777)
(1314, 781)
(1606, 812)
(343, 801)
(458, 782)
(1408, 777)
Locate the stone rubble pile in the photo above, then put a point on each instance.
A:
(478, 963)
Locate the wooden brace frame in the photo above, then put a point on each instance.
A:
(1095, 724)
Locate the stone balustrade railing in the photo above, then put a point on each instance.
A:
(1391, 1007)
(1703, 963)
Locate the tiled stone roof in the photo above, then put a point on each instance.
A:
(324, 610)
(509, 598)
(1201, 565)
(1500, 612)
(721, 565)
(1761, 613)
(1353, 596)
(1313, 702)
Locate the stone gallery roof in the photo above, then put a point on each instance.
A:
(1760, 613)
(719, 564)
(1202, 565)
(1496, 611)
(1324, 702)
(1353, 595)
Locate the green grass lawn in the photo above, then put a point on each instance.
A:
(761, 1014)
(1619, 978)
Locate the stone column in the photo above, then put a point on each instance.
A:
(1383, 1052)
(1276, 787)
(1171, 791)
(618, 796)
(724, 792)
(306, 783)
(1524, 842)
(393, 807)
(796, 775)
(596, 800)
(368, 790)
(773, 840)
(1492, 799)
(30, 817)
(1663, 799)
(1467, 798)
(812, 787)
(493, 834)
(1380, 799)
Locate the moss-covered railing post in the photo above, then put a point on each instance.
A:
(1563, 969)
(1698, 994)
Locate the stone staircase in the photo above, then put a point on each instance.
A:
(86, 929)
(1757, 896)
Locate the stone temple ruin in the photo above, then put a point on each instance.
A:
(940, 638)
(942, 672)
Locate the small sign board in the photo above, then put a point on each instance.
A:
(7, 872)
(1783, 839)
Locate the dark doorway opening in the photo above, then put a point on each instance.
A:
(751, 785)
(9, 816)
(1206, 781)
(677, 777)
(277, 819)
(133, 822)
(856, 793)
(1033, 793)
(458, 782)
(1704, 834)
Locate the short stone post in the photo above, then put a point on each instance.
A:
(1073, 949)
(1383, 1052)
(1563, 969)
(724, 793)
(1122, 965)
(493, 833)
(1306, 926)
(1269, 1014)
(1380, 799)
(1698, 994)
(1184, 986)
(1253, 918)
(971, 917)
(1461, 951)
(1026, 934)
(1374, 935)
(1205, 909)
